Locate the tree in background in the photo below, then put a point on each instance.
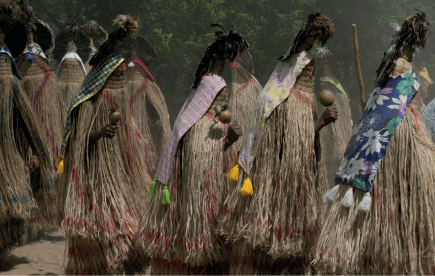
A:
(179, 29)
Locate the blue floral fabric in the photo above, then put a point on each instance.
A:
(383, 113)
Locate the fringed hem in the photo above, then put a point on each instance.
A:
(282, 215)
(185, 229)
(162, 266)
(396, 236)
(92, 256)
(246, 261)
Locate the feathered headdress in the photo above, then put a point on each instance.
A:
(318, 26)
(414, 32)
(72, 31)
(15, 18)
(128, 27)
(144, 48)
(228, 45)
(324, 56)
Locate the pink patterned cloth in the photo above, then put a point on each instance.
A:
(196, 105)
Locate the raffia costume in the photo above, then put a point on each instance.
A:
(105, 188)
(71, 49)
(148, 106)
(42, 87)
(380, 218)
(181, 235)
(334, 137)
(105, 184)
(272, 215)
(20, 193)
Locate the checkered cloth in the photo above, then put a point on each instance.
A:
(90, 86)
(196, 105)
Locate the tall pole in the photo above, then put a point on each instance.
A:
(358, 67)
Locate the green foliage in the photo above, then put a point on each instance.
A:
(180, 28)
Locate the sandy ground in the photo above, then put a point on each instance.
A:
(44, 255)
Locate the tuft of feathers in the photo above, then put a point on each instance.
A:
(128, 27)
(414, 32)
(228, 45)
(15, 18)
(319, 26)
(128, 24)
(14, 12)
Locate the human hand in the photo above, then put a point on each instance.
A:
(108, 131)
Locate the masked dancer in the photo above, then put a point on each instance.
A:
(104, 181)
(380, 219)
(273, 212)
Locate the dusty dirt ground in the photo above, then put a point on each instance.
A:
(44, 255)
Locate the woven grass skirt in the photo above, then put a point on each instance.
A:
(17, 202)
(184, 232)
(288, 178)
(104, 191)
(397, 235)
(43, 89)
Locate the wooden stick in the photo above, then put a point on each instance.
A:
(358, 67)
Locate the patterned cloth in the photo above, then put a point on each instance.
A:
(72, 55)
(336, 82)
(15, 70)
(196, 105)
(383, 113)
(90, 86)
(277, 89)
(34, 49)
(429, 118)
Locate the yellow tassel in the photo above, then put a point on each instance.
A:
(59, 165)
(246, 189)
(60, 168)
(233, 175)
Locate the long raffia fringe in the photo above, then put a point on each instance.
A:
(105, 188)
(283, 214)
(396, 236)
(334, 137)
(70, 79)
(17, 193)
(185, 230)
(147, 104)
(162, 266)
(243, 91)
(246, 261)
(42, 87)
